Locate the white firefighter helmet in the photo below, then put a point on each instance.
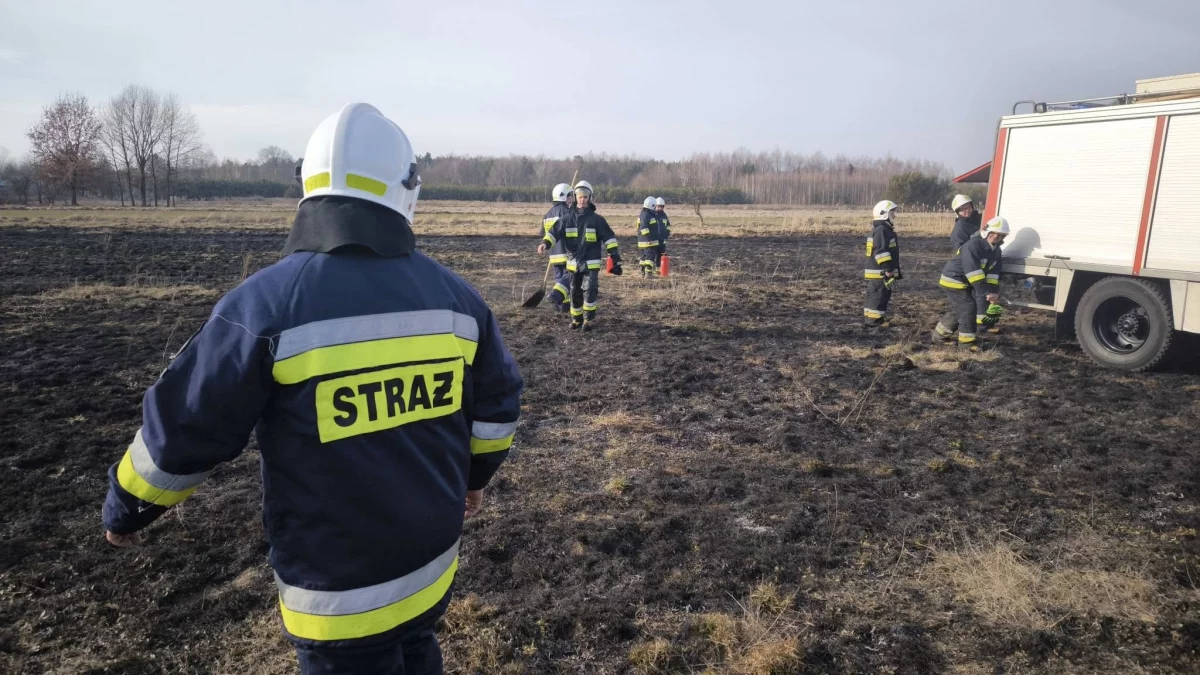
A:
(584, 186)
(560, 192)
(883, 210)
(357, 152)
(960, 201)
(996, 225)
(660, 202)
(649, 203)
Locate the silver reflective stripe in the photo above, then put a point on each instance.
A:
(145, 467)
(612, 242)
(493, 431)
(883, 255)
(590, 230)
(993, 276)
(875, 272)
(353, 329)
(359, 600)
(593, 262)
(974, 273)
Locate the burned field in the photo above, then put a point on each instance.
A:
(730, 474)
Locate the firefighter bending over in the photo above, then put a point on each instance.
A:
(971, 280)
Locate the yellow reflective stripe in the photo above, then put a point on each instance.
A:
(647, 244)
(481, 446)
(366, 184)
(137, 486)
(316, 182)
(883, 257)
(994, 282)
(549, 223)
(645, 231)
(372, 354)
(549, 239)
(350, 626)
(872, 314)
(562, 289)
(947, 282)
(872, 274)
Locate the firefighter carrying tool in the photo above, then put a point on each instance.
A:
(883, 265)
(587, 236)
(971, 280)
(382, 396)
(558, 254)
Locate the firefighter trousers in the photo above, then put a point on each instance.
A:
(584, 286)
(560, 293)
(650, 258)
(876, 308)
(409, 649)
(960, 318)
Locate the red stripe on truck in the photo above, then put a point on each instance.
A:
(993, 197)
(1160, 129)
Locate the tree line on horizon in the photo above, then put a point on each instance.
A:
(144, 148)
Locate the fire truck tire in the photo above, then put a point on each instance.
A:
(1125, 324)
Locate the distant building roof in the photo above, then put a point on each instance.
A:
(980, 174)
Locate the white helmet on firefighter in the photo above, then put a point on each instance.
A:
(996, 225)
(960, 201)
(883, 210)
(649, 203)
(357, 152)
(583, 186)
(660, 202)
(560, 192)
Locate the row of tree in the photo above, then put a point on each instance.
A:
(145, 148)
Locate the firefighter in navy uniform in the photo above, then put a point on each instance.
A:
(382, 396)
(883, 265)
(664, 225)
(968, 222)
(971, 280)
(649, 238)
(587, 237)
(558, 254)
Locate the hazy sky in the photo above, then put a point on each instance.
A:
(913, 78)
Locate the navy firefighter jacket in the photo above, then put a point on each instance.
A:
(380, 392)
(559, 253)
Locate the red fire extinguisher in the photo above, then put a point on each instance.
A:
(664, 266)
(608, 267)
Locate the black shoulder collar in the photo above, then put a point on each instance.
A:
(325, 224)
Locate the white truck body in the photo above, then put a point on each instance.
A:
(1111, 190)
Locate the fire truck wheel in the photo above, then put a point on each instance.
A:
(1125, 324)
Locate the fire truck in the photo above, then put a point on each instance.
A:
(1103, 198)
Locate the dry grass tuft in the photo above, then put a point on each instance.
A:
(1006, 589)
(108, 292)
(617, 485)
(620, 420)
(471, 636)
(653, 656)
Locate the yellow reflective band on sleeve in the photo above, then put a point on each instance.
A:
(481, 446)
(372, 354)
(316, 182)
(548, 239)
(883, 257)
(137, 486)
(351, 626)
(386, 399)
(366, 184)
(549, 223)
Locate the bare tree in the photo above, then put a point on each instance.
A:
(64, 141)
(180, 139)
(135, 117)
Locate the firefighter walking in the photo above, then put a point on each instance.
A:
(883, 265)
(664, 225)
(558, 254)
(382, 396)
(650, 239)
(971, 280)
(588, 237)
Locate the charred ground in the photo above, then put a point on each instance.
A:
(731, 473)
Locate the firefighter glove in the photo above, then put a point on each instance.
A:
(616, 270)
(995, 310)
